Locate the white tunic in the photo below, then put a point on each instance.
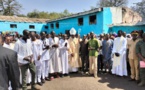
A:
(55, 63)
(119, 63)
(64, 55)
(45, 53)
(8, 46)
(37, 51)
(23, 49)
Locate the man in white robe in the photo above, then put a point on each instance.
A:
(55, 63)
(37, 52)
(23, 47)
(45, 57)
(64, 47)
(119, 49)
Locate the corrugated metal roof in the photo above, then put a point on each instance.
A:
(22, 19)
(78, 14)
(128, 24)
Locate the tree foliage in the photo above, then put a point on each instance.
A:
(112, 3)
(47, 15)
(140, 8)
(9, 7)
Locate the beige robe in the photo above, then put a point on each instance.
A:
(74, 48)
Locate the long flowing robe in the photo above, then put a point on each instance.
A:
(119, 63)
(37, 51)
(55, 63)
(64, 55)
(45, 57)
(107, 46)
(45, 53)
(74, 48)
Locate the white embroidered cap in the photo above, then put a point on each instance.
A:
(72, 31)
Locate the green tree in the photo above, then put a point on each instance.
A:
(33, 14)
(21, 15)
(112, 3)
(140, 8)
(46, 15)
(10, 7)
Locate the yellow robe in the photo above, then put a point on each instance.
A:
(74, 48)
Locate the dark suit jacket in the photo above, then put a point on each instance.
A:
(9, 69)
(84, 48)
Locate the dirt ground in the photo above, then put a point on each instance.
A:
(80, 82)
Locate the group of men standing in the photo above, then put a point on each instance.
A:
(45, 57)
(122, 49)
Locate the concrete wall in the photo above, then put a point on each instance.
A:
(127, 29)
(5, 26)
(111, 15)
(117, 15)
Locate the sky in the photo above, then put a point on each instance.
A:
(73, 6)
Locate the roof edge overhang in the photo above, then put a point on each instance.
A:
(78, 14)
(127, 24)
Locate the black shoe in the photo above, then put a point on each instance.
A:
(137, 81)
(35, 88)
(46, 78)
(43, 81)
(20, 86)
(39, 83)
(104, 72)
(131, 79)
(28, 84)
(62, 76)
(110, 72)
(66, 75)
(83, 73)
(141, 84)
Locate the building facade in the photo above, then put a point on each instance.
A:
(18, 24)
(98, 20)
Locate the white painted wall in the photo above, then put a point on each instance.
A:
(116, 15)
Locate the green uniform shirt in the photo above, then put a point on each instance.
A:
(140, 48)
(94, 44)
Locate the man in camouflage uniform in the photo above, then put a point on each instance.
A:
(140, 50)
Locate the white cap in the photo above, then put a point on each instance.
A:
(72, 31)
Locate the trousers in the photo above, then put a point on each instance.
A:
(134, 65)
(24, 69)
(93, 65)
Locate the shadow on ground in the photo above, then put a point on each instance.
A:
(85, 82)
(115, 82)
